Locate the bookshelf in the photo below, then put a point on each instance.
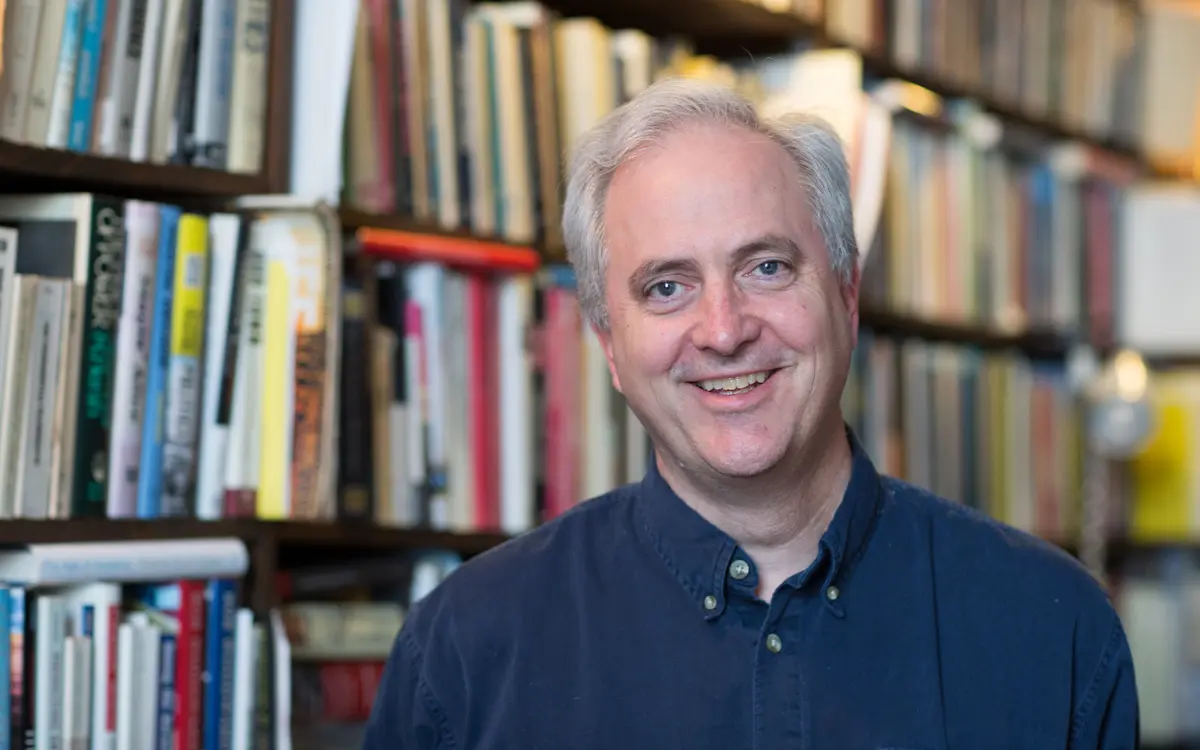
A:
(728, 29)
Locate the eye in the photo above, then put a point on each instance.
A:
(663, 289)
(769, 267)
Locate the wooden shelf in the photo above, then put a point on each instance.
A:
(26, 167)
(1035, 343)
(375, 537)
(293, 534)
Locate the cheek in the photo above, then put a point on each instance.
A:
(647, 349)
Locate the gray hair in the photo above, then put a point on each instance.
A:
(667, 106)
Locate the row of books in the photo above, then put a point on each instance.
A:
(1107, 68)
(161, 362)
(341, 620)
(461, 117)
(1156, 596)
(995, 237)
(993, 430)
(137, 645)
(160, 81)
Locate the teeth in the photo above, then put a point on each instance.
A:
(735, 384)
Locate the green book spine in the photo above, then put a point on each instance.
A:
(102, 310)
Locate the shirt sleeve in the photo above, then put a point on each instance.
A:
(1108, 717)
(405, 714)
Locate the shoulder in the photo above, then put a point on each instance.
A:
(998, 559)
(1037, 606)
(493, 589)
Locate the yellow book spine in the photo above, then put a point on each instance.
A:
(187, 304)
(274, 458)
(1163, 473)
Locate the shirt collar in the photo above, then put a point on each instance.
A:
(699, 553)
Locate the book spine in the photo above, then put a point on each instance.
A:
(184, 372)
(64, 78)
(218, 664)
(164, 720)
(116, 105)
(102, 313)
(214, 77)
(7, 652)
(21, 50)
(41, 374)
(86, 74)
(133, 356)
(247, 103)
(150, 470)
(189, 664)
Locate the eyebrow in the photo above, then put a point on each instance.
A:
(775, 243)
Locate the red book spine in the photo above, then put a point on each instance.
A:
(189, 663)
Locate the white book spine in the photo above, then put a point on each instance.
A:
(127, 670)
(9, 241)
(24, 295)
(20, 50)
(244, 674)
(241, 463)
(116, 108)
(148, 641)
(214, 76)
(48, 661)
(141, 108)
(105, 600)
(247, 97)
(45, 68)
(41, 385)
(133, 357)
(516, 404)
(223, 248)
(129, 562)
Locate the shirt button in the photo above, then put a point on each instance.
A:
(832, 593)
(774, 644)
(739, 569)
(710, 602)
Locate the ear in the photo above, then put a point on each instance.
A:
(849, 293)
(604, 336)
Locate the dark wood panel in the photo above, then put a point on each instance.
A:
(1034, 343)
(18, 532)
(292, 534)
(29, 168)
(366, 536)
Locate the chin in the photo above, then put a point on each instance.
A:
(745, 459)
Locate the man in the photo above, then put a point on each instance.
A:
(763, 587)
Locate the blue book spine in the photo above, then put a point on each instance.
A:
(165, 725)
(150, 478)
(86, 74)
(16, 665)
(6, 611)
(218, 665)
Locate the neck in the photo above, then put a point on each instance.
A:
(777, 518)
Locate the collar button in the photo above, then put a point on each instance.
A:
(832, 593)
(739, 569)
(710, 602)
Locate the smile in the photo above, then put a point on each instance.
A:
(733, 386)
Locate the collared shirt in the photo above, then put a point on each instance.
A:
(631, 622)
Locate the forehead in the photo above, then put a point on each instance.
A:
(705, 188)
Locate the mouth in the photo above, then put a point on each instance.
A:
(736, 385)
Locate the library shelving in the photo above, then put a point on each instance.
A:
(737, 30)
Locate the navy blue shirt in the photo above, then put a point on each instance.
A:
(631, 623)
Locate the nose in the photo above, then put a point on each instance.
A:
(725, 323)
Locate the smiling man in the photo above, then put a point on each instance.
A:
(763, 586)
